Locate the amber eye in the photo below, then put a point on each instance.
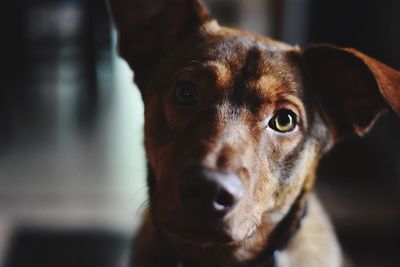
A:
(185, 93)
(283, 121)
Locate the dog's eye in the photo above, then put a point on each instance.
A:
(283, 121)
(185, 92)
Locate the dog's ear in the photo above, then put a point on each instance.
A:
(149, 29)
(352, 87)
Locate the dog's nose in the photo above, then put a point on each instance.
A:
(209, 192)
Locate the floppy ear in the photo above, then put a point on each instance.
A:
(149, 29)
(352, 87)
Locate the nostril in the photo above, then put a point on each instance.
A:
(224, 200)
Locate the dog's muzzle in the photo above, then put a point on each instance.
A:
(208, 193)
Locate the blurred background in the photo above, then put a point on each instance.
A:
(72, 165)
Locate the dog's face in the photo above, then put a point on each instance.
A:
(230, 107)
(235, 123)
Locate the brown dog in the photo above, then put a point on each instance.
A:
(235, 125)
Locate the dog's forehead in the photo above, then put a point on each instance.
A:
(251, 63)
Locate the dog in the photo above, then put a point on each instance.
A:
(235, 124)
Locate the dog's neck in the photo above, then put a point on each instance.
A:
(283, 234)
(280, 237)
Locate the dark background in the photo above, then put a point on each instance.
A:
(71, 162)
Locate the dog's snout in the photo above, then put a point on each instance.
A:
(208, 192)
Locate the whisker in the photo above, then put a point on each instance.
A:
(259, 229)
(142, 207)
(137, 191)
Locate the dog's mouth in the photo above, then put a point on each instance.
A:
(198, 234)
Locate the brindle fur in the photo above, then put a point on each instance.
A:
(242, 80)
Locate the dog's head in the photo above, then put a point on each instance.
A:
(235, 123)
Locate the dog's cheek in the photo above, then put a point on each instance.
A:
(160, 142)
(264, 180)
(157, 137)
(302, 177)
(280, 157)
(286, 172)
(156, 127)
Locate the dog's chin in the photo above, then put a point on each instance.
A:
(200, 235)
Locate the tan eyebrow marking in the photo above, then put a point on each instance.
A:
(223, 73)
(266, 87)
(268, 82)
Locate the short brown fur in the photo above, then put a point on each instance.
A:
(242, 81)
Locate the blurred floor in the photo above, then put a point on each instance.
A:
(48, 248)
(65, 171)
(60, 174)
(72, 166)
